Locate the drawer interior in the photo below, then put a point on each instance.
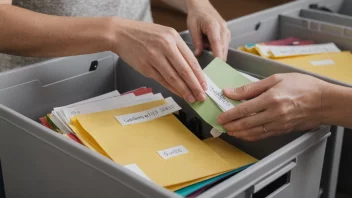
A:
(35, 98)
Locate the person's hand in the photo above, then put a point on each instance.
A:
(204, 21)
(160, 53)
(280, 104)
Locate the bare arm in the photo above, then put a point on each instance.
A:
(154, 50)
(337, 105)
(27, 33)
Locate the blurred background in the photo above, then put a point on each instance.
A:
(229, 9)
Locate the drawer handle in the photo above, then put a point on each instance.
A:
(271, 178)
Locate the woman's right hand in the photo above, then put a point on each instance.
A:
(160, 53)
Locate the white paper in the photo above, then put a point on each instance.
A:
(135, 168)
(111, 104)
(215, 93)
(59, 119)
(101, 97)
(216, 133)
(322, 62)
(149, 114)
(97, 106)
(304, 50)
(59, 124)
(173, 152)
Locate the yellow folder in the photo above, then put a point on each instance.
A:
(234, 156)
(139, 144)
(86, 138)
(337, 65)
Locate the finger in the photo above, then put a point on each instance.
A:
(260, 137)
(253, 89)
(244, 109)
(193, 63)
(254, 134)
(186, 73)
(271, 129)
(249, 122)
(213, 33)
(226, 37)
(160, 79)
(171, 76)
(197, 38)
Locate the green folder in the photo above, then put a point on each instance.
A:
(224, 76)
(192, 188)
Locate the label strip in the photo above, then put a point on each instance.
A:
(149, 114)
(304, 50)
(173, 152)
(215, 93)
(322, 62)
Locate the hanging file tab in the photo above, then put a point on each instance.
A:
(149, 114)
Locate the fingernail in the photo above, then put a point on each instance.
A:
(190, 99)
(204, 86)
(201, 96)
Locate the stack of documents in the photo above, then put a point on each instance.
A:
(139, 131)
(324, 59)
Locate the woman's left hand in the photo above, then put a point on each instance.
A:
(280, 104)
(205, 22)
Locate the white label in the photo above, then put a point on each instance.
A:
(215, 133)
(109, 104)
(217, 96)
(322, 62)
(303, 50)
(135, 168)
(149, 114)
(173, 152)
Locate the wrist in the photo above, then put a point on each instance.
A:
(332, 103)
(117, 29)
(110, 33)
(194, 4)
(325, 106)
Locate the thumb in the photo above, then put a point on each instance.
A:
(197, 38)
(253, 89)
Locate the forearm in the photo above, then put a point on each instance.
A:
(185, 5)
(27, 33)
(337, 105)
